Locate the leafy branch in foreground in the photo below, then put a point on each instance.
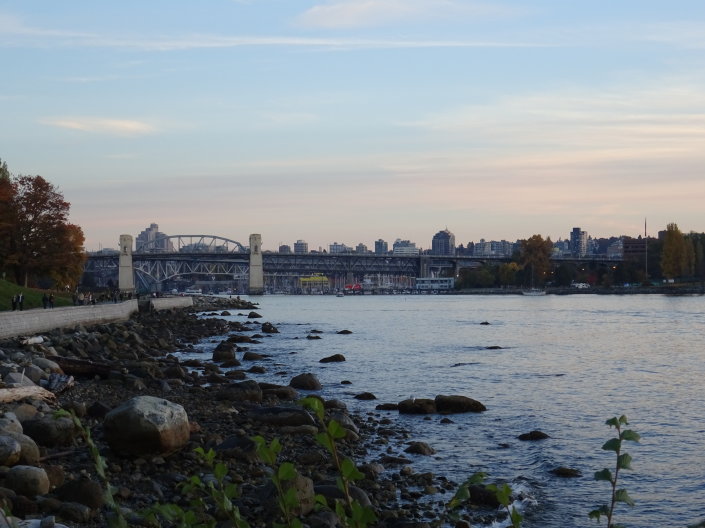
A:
(204, 495)
(624, 461)
(288, 500)
(503, 494)
(350, 512)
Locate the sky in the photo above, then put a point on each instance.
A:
(353, 120)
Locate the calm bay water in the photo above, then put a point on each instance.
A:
(565, 365)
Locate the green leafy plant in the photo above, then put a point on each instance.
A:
(118, 519)
(623, 461)
(503, 493)
(204, 496)
(287, 499)
(351, 513)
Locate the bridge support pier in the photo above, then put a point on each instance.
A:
(424, 266)
(256, 268)
(126, 276)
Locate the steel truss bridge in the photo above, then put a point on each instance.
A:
(213, 260)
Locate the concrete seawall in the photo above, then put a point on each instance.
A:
(167, 303)
(30, 322)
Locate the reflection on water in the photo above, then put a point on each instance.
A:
(559, 364)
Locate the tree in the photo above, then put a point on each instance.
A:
(70, 262)
(7, 192)
(674, 256)
(565, 274)
(41, 241)
(482, 277)
(507, 273)
(699, 245)
(535, 255)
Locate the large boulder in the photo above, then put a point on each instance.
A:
(420, 448)
(335, 358)
(417, 406)
(283, 392)
(29, 450)
(10, 451)
(306, 381)
(332, 493)
(457, 404)
(146, 425)
(10, 424)
(224, 352)
(269, 328)
(47, 364)
(532, 436)
(248, 390)
(51, 431)
(27, 480)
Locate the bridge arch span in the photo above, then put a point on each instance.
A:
(192, 244)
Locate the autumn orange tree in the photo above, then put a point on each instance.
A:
(36, 238)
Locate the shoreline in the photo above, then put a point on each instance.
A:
(136, 358)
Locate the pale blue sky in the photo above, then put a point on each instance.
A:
(353, 120)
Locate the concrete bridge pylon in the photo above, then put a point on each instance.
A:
(126, 275)
(256, 267)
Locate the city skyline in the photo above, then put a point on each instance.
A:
(353, 121)
(577, 242)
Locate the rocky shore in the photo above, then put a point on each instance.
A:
(147, 412)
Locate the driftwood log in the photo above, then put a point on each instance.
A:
(82, 367)
(20, 393)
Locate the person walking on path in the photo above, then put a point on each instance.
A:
(20, 301)
(51, 300)
(14, 302)
(45, 301)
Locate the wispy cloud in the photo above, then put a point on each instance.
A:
(365, 13)
(15, 33)
(211, 41)
(342, 14)
(11, 25)
(668, 117)
(119, 127)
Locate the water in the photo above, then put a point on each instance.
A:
(566, 364)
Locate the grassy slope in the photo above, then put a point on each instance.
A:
(32, 297)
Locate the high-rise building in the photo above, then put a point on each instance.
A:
(285, 249)
(578, 242)
(443, 243)
(339, 248)
(149, 236)
(404, 248)
(361, 248)
(381, 247)
(300, 247)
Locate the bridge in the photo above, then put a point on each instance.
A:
(214, 262)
